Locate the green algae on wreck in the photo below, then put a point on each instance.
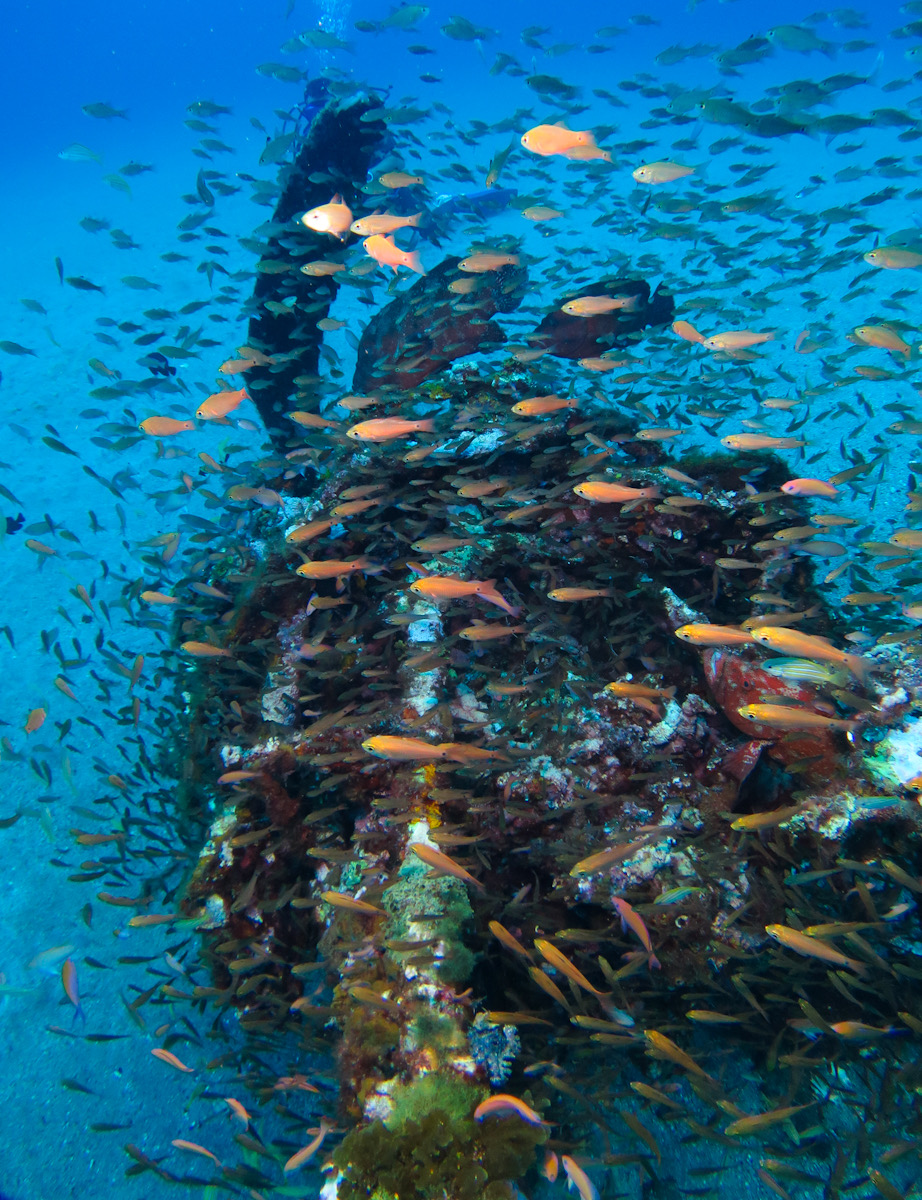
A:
(439, 1155)
(431, 907)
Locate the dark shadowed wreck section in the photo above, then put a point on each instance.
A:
(335, 157)
(444, 316)
(585, 337)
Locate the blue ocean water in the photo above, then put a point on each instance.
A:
(790, 262)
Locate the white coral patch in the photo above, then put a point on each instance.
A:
(591, 745)
(296, 510)
(898, 758)
(679, 612)
(216, 912)
(279, 704)
(663, 731)
(484, 443)
(466, 707)
(419, 832)
(649, 860)
(427, 629)
(379, 1105)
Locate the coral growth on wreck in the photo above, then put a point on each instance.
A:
(323, 920)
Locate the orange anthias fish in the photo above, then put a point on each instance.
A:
(262, 495)
(765, 820)
(333, 218)
(736, 339)
(661, 1046)
(438, 544)
(307, 1152)
(465, 286)
(387, 253)
(195, 1148)
(165, 426)
(687, 331)
(578, 1179)
(442, 863)
(910, 538)
(633, 691)
(481, 487)
(600, 492)
(216, 406)
(509, 940)
(385, 429)
(661, 172)
(609, 857)
(311, 420)
(35, 720)
(250, 357)
(704, 634)
(760, 441)
(537, 406)
(883, 337)
(238, 776)
(352, 508)
(550, 1166)
(341, 900)
(633, 921)
(445, 587)
(489, 631)
(383, 223)
(170, 1059)
(744, 1126)
(809, 487)
(305, 533)
(568, 594)
(151, 597)
(502, 1104)
(464, 752)
(487, 260)
(335, 567)
(587, 153)
(596, 306)
(812, 947)
(205, 650)
(560, 962)
(238, 1110)
(405, 749)
(399, 179)
(805, 645)
(787, 716)
(546, 140)
(322, 266)
(893, 258)
(858, 1031)
(541, 212)
(71, 990)
(293, 1083)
